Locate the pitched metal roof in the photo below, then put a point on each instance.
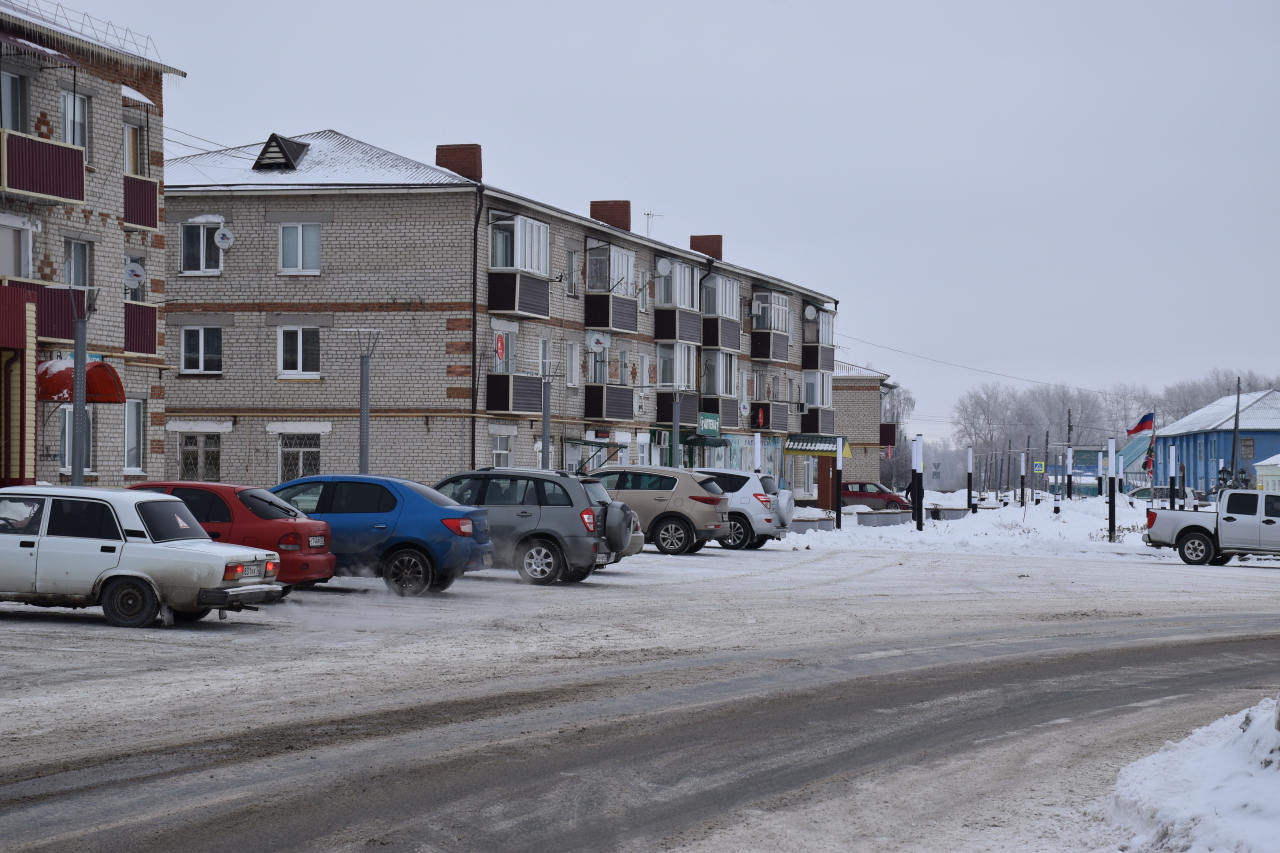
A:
(1259, 410)
(53, 25)
(332, 160)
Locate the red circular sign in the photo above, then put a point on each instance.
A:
(500, 346)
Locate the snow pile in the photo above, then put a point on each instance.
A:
(1081, 528)
(1217, 790)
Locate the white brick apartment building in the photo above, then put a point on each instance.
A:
(477, 294)
(81, 171)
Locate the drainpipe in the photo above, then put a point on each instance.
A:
(475, 284)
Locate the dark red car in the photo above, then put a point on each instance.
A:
(245, 515)
(872, 495)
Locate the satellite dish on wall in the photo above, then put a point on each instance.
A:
(134, 274)
(744, 408)
(664, 266)
(810, 312)
(224, 238)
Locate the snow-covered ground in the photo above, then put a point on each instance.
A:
(1219, 789)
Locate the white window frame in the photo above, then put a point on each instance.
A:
(624, 361)
(771, 312)
(135, 429)
(137, 164)
(202, 450)
(13, 100)
(23, 227)
(281, 450)
(622, 271)
(501, 445)
(531, 241)
(572, 365)
(299, 373)
(720, 373)
(724, 291)
(544, 357)
(76, 263)
(598, 367)
(200, 356)
(75, 129)
(299, 242)
(203, 228)
(66, 417)
(571, 273)
(644, 371)
(683, 359)
(680, 288)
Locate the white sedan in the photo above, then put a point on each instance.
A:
(139, 555)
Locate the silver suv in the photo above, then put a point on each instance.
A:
(758, 510)
(548, 525)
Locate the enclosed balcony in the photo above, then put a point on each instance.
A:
(141, 203)
(609, 312)
(54, 312)
(513, 393)
(140, 328)
(688, 407)
(818, 357)
(726, 407)
(677, 324)
(769, 346)
(41, 169)
(609, 403)
(519, 294)
(769, 417)
(721, 333)
(818, 421)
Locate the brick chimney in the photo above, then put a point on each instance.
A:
(708, 244)
(615, 213)
(463, 159)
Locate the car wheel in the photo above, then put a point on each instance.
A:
(672, 536)
(576, 575)
(1196, 549)
(758, 542)
(893, 505)
(191, 615)
(441, 583)
(740, 534)
(408, 572)
(539, 562)
(129, 603)
(1221, 560)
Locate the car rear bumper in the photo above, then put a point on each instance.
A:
(259, 593)
(467, 555)
(299, 568)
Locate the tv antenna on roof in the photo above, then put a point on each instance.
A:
(648, 223)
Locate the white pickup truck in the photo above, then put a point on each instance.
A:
(1245, 522)
(137, 554)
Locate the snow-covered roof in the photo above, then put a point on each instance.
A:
(332, 160)
(1259, 410)
(1135, 452)
(63, 28)
(1270, 460)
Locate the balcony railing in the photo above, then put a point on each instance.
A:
(41, 168)
(140, 328)
(818, 357)
(677, 324)
(610, 313)
(688, 407)
(609, 403)
(818, 422)
(54, 315)
(514, 393)
(769, 346)
(726, 407)
(520, 294)
(141, 202)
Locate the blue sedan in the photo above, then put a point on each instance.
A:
(410, 535)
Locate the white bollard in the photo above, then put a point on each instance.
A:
(1057, 504)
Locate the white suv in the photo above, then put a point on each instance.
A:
(137, 554)
(758, 510)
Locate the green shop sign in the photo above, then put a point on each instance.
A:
(708, 424)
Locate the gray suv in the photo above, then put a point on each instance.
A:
(548, 525)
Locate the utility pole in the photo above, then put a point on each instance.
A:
(366, 343)
(79, 413)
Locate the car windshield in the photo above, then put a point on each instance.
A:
(769, 484)
(596, 492)
(263, 504)
(168, 521)
(710, 485)
(730, 482)
(429, 493)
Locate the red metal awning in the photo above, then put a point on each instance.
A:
(54, 382)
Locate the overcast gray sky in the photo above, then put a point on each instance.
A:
(1082, 192)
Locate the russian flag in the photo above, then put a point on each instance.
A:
(1146, 422)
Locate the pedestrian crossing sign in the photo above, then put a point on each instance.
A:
(1037, 467)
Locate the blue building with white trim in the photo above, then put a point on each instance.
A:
(1204, 437)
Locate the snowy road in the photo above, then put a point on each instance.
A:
(785, 700)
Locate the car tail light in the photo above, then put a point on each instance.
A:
(588, 517)
(459, 526)
(233, 572)
(764, 499)
(713, 500)
(271, 568)
(1151, 519)
(290, 542)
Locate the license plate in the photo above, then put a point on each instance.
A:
(603, 558)
(486, 559)
(252, 571)
(316, 541)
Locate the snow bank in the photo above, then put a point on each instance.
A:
(1217, 790)
(1081, 528)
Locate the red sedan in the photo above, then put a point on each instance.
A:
(244, 515)
(873, 495)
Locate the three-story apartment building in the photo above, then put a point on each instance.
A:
(477, 297)
(81, 171)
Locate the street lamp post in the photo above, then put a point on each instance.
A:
(366, 343)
